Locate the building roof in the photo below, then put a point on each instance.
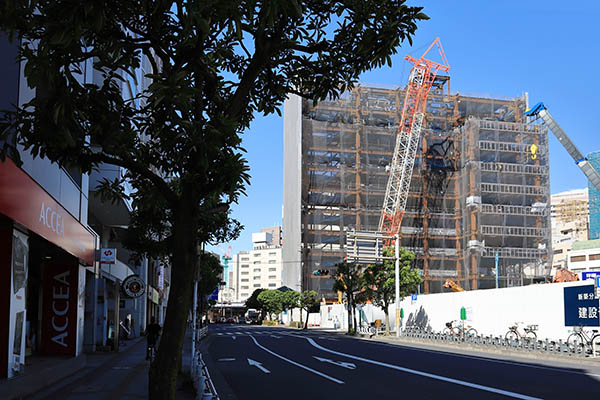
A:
(586, 244)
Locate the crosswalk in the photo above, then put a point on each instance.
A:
(270, 333)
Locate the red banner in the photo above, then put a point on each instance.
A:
(24, 201)
(59, 331)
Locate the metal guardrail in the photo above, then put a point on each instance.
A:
(538, 346)
(205, 389)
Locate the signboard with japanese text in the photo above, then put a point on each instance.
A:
(581, 306)
(108, 256)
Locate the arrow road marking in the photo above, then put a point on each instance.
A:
(338, 363)
(426, 374)
(259, 366)
(295, 363)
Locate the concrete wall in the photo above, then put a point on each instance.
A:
(489, 311)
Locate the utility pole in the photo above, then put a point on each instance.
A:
(497, 259)
(397, 284)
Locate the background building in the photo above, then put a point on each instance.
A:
(569, 219)
(594, 159)
(260, 268)
(585, 256)
(476, 192)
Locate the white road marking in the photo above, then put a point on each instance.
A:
(296, 364)
(520, 364)
(233, 337)
(426, 374)
(220, 334)
(338, 363)
(276, 337)
(226, 359)
(259, 366)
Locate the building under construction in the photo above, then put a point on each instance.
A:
(479, 194)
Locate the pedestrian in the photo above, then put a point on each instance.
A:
(152, 334)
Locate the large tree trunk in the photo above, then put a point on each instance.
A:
(164, 370)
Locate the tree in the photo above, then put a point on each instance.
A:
(209, 270)
(213, 65)
(306, 302)
(380, 281)
(252, 301)
(349, 280)
(291, 300)
(272, 302)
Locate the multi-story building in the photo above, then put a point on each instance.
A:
(594, 194)
(585, 256)
(260, 268)
(569, 219)
(478, 190)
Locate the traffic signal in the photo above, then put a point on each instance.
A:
(321, 272)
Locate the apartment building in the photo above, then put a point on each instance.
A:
(259, 268)
(570, 223)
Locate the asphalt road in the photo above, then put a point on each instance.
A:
(255, 362)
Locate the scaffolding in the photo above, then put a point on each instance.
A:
(474, 191)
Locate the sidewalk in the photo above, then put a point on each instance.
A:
(104, 376)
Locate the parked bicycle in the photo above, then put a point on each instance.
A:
(528, 334)
(579, 338)
(459, 329)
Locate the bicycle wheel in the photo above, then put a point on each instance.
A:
(511, 336)
(447, 331)
(472, 332)
(575, 342)
(530, 337)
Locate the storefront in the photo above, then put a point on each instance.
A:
(44, 254)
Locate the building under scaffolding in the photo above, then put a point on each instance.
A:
(478, 188)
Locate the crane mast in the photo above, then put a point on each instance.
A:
(422, 76)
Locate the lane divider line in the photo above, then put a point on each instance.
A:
(295, 363)
(426, 374)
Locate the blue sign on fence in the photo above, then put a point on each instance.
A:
(589, 275)
(581, 306)
(214, 295)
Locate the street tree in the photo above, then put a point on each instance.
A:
(291, 300)
(380, 281)
(209, 270)
(349, 280)
(213, 66)
(272, 301)
(308, 299)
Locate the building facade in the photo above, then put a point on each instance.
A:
(569, 219)
(594, 194)
(259, 268)
(585, 257)
(477, 192)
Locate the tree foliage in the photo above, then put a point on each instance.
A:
(380, 281)
(308, 299)
(252, 301)
(272, 301)
(349, 280)
(210, 67)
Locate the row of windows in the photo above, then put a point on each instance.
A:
(257, 285)
(258, 277)
(272, 253)
(256, 263)
(592, 257)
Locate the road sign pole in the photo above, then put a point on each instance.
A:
(397, 276)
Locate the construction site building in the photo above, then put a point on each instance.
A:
(478, 194)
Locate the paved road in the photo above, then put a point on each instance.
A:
(254, 362)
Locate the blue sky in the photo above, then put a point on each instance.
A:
(548, 49)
